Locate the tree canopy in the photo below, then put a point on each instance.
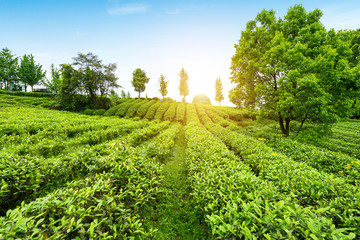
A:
(163, 86)
(29, 72)
(89, 77)
(183, 87)
(8, 68)
(139, 80)
(294, 68)
(54, 83)
(218, 91)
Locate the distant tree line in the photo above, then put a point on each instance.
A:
(85, 83)
(19, 72)
(292, 68)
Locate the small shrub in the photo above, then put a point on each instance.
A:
(89, 112)
(99, 112)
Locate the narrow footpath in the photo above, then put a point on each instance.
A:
(175, 216)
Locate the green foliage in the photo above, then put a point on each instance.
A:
(140, 135)
(163, 86)
(77, 211)
(247, 212)
(133, 109)
(87, 77)
(54, 83)
(222, 112)
(23, 100)
(150, 114)
(184, 87)
(89, 112)
(139, 80)
(8, 69)
(324, 160)
(201, 98)
(142, 110)
(294, 67)
(161, 110)
(156, 98)
(191, 114)
(311, 187)
(218, 91)
(342, 137)
(116, 100)
(170, 113)
(180, 113)
(160, 147)
(30, 73)
(67, 175)
(123, 107)
(175, 213)
(99, 112)
(112, 111)
(123, 94)
(70, 94)
(28, 94)
(35, 150)
(213, 116)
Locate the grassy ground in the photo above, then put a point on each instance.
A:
(175, 215)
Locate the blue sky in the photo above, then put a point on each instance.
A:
(160, 37)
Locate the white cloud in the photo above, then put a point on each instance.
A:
(127, 9)
(173, 12)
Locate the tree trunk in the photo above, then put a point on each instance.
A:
(281, 122)
(302, 122)
(285, 129)
(32, 88)
(139, 94)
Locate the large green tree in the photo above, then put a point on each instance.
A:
(293, 68)
(54, 83)
(354, 61)
(29, 72)
(139, 80)
(8, 68)
(94, 78)
(183, 87)
(86, 78)
(163, 86)
(218, 91)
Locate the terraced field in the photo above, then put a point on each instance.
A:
(149, 169)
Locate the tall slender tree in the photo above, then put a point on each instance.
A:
(183, 87)
(139, 80)
(70, 88)
(218, 88)
(8, 68)
(123, 94)
(30, 73)
(163, 86)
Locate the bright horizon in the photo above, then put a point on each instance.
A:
(160, 37)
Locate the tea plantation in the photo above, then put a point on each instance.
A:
(149, 169)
